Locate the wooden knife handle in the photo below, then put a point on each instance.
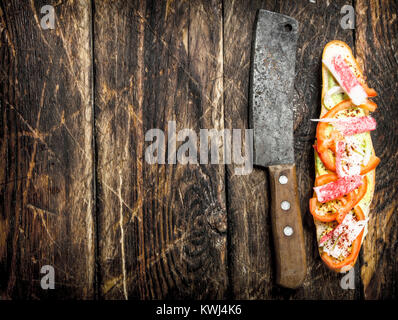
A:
(287, 228)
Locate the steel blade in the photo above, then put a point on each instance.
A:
(272, 80)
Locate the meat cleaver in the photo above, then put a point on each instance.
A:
(271, 117)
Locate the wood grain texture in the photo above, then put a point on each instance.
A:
(252, 270)
(46, 185)
(376, 48)
(162, 227)
(77, 193)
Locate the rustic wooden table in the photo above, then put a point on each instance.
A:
(76, 192)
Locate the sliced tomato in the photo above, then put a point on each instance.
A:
(361, 191)
(335, 264)
(325, 141)
(350, 203)
(327, 158)
(337, 209)
(372, 164)
(314, 205)
(368, 105)
(369, 91)
(325, 178)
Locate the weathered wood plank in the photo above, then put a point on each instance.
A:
(118, 50)
(251, 247)
(207, 221)
(46, 185)
(248, 202)
(158, 62)
(376, 49)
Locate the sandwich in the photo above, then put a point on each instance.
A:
(345, 159)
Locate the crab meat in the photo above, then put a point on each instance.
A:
(348, 160)
(337, 189)
(347, 79)
(337, 242)
(351, 125)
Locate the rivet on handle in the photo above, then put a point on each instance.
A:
(283, 179)
(285, 205)
(288, 231)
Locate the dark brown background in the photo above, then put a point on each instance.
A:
(76, 192)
